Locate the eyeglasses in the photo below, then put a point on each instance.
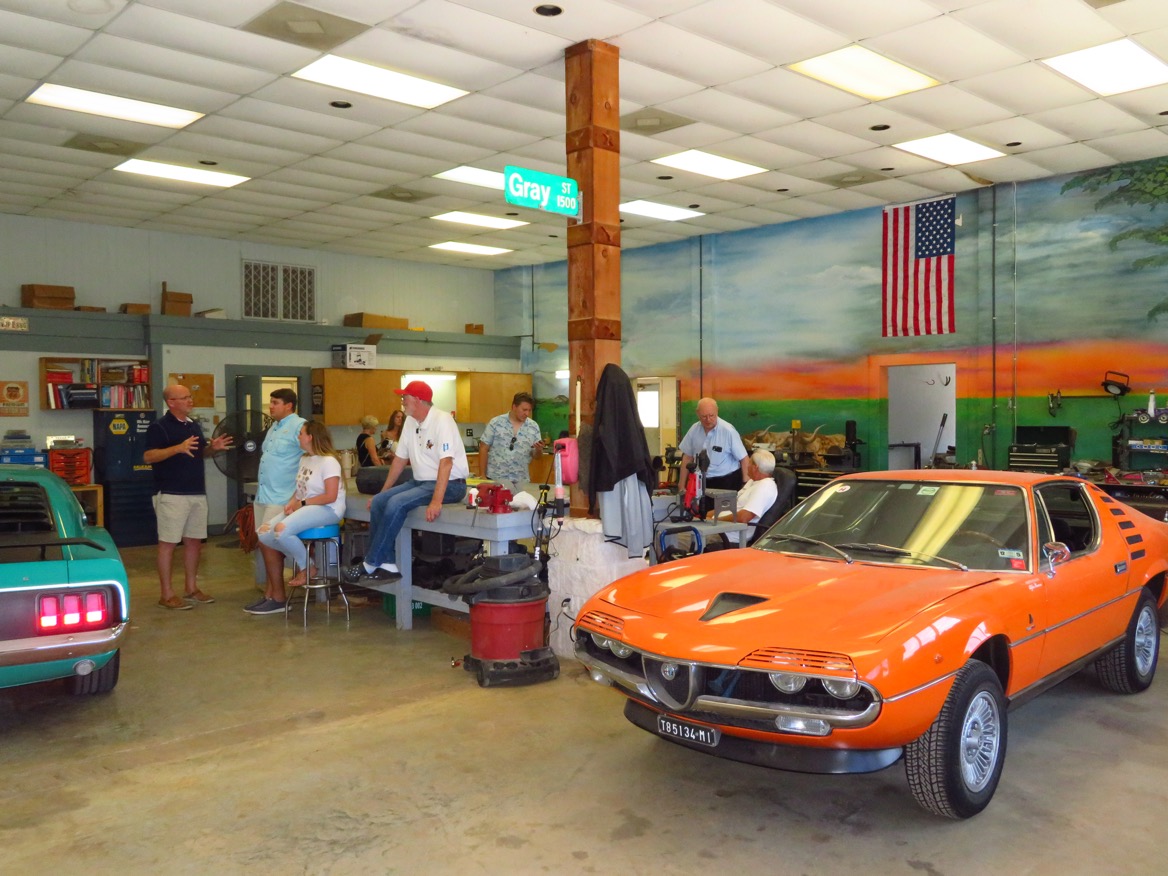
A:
(512, 447)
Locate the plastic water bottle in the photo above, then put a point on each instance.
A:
(1152, 403)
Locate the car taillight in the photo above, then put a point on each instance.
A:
(71, 611)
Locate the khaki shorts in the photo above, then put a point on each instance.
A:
(180, 517)
(264, 513)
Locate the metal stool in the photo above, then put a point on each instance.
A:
(321, 541)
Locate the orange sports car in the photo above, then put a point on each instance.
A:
(890, 615)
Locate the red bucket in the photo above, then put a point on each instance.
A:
(500, 630)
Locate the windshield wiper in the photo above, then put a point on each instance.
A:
(876, 548)
(803, 539)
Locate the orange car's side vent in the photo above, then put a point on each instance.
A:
(602, 621)
(775, 659)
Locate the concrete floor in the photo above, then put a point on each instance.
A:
(238, 744)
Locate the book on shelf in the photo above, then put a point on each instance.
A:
(59, 375)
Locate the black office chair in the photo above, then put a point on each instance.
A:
(785, 480)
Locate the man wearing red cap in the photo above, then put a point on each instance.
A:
(431, 443)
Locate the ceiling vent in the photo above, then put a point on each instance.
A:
(293, 23)
(852, 178)
(104, 145)
(405, 196)
(652, 121)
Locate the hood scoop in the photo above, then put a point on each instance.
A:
(724, 603)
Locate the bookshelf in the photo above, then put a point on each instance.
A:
(95, 384)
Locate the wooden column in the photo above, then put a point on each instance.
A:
(592, 95)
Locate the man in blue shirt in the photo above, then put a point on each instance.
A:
(720, 440)
(509, 443)
(279, 462)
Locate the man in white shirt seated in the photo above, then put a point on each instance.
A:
(758, 493)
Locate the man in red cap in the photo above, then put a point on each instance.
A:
(431, 443)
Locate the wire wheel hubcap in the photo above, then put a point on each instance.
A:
(1147, 632)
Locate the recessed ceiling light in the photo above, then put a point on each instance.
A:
(378, 82)
(886, 169)
(949, 149)
(208, 162)
(469, 248)
(478, 219)
(696, 161)
(98, 104)
(1112, 68)
(1014, 143)
(667, 176)
(340, 104)
(548, 10)
(782, 190)
(658, 211)
(861, 71)
(183, 174)
(879, 127)
(475, 176)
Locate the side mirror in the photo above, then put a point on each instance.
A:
(1056, 552)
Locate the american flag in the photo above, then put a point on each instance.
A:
(918, 269)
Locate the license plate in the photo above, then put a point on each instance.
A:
(686, 732)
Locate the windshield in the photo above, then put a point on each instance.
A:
(974, 526)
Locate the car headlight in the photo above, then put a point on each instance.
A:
(601, 641)
(787, 682)
(619, 649)
(840, 688)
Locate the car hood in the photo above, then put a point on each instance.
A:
(742, 600)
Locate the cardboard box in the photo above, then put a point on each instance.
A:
(176, 303)
(354, 356)
(134, 308)
(473, 328)
(375, 320)
(47, 297)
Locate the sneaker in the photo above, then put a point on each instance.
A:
(199, 597)
(357, 573)
(268, 606)
(175, 604)
(256, 604)
(354, 573)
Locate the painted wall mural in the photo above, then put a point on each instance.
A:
(1057, 282)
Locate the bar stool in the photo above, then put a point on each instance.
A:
(324, 549)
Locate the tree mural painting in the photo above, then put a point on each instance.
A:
(1143, 183)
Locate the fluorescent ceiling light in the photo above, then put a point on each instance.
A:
(658, 211)
(706, 164)
(490, 179)
(479, 219)
(949, 149)
(97, 104)
(184, 174)
(1112, 68)
(378, 82)
(472, 248)
(426, 376)
(863, 72)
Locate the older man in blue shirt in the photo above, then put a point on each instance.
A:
(720, 440)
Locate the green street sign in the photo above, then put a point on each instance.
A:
(541, 191)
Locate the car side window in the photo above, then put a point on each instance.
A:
(1072, 520)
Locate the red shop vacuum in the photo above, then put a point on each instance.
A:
(507, 603)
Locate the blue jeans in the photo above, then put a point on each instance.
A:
(288, 542)
(388, 510)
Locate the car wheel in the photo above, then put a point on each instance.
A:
(100, 680)
(1130, 666)
(953, 769)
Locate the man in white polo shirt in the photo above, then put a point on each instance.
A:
(431, 443)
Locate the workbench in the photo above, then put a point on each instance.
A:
(497, 531)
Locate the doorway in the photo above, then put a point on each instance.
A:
(249, 387)
(922, 413)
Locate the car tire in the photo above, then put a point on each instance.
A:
(954, 768)
(100, 680)
(1130, 666)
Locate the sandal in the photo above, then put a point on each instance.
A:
(175, 604)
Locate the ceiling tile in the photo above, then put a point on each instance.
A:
(1088, 121)
(40, 35)
(771, 33)
(466, 28)
(418, 57)
(113, 51)
(862, 19)
(1135, 146)
(670, 49)
(1040, 28)
(1069, 159)
(945, 48)
(816, 139)
(947, 106)
(716, 107)
(1028, 88)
